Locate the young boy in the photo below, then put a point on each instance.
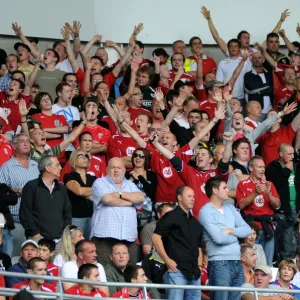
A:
(46, 252)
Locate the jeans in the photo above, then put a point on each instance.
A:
(268, 246)
(84, 224)
(178, 278)
(7, 242)
(225, 273)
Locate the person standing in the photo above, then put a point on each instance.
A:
(181, 249)
(223, 225)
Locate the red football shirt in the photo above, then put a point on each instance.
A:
(53, 270)
(168, 178)
(134, 112)
(184, 77)
(112, 127)
(77, 290)
(208, 64)
(197, 179)
(270, 141)
(11, 108)
(284, 93)
(261, 203)
(45, 287)
(97, 168)
(164, 88)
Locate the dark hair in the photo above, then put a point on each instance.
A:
(160, 208)
(85, 270)
(60, 87)
(147, 69)
(240, 34)
(234, 41)
(189, 99)
(195, 111)
(118, 244)
(140, 44)
(38, 98)
(80, 245)
(298, 250)
(35, 86)
(183, 57)
(204, 76)
(55, 54)
(272, 35)
(210, 153)
(57, 43)
(239, 141)
(19, 72)
(50, 244)
(131, 272)
(212, 183)
(254, 226)
(178, 41)
(98, 84)
(64, 79)
(150, 119)
(160, 52)
(206, 113)
(21, 83)
(193, 39)
(32, 261)
(100, 59)
(147, 157)
(82, 134)
(171, 94)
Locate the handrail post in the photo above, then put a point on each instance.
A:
(255, 295)
(61, 292)
(145, 292)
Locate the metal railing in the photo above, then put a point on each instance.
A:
(61, 296)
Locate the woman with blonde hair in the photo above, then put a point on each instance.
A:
(71, 235)
(79, 187)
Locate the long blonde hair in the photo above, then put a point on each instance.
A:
(66, 250)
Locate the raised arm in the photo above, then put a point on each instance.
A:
(87, 77)
(75, 30)
(87, 47)
(228, 138)
(164, 151)
(238, 70)
(32, 76)
(177, 105)
(287, 42)
(219, 114)
(199, 73)
(267, 56)
(18, 31)
(23, 113)
(112, 44)
(134, 67)
(221, 43)
(65, 31)
(283, 17)
(296, 122)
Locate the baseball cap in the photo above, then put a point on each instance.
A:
(180, 83)
(34, 40)
(264, 268)
(16, 46)
(214, 83)
(31, 242)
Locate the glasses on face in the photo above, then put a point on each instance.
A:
(141, 155)
(86, 156)
(138, 94)
(24, 142)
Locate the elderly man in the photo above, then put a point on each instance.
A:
(115, 202)
(16, 172)
(45, 207)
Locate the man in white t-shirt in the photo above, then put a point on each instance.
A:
(85, 251)
(228, 65)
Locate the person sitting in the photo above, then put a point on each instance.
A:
(36, 266)
(71, 235)
(248, 261)
(87, 272)
(133, 274)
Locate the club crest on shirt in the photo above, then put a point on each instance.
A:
(97, 167)
(129, 151)
(167, 172)
(56, 123)
(7, 111)
(100, 135)
(259, 201)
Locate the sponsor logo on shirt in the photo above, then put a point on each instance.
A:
(167, 172)
(259, 201)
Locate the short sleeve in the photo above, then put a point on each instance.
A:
(102, 273)
(68, 177)
(164, 226)
(146, 235)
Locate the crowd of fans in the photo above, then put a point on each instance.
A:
(169, 169)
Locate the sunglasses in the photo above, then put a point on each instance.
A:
(138, 155)
(83, 156)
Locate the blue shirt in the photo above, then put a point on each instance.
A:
(5, 82)
(114, 221)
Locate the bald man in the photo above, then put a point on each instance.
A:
(285, 175)
(253, 110)
(114, 219)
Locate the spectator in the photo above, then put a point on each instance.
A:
(205, 295)
(15, 173)
(296, 279)
(23, 52)
(119, 259)
(12, 64)
(146, 181)
(241, 154)
(250, 241)
(115, 198)
(33, 108)
(273, 45)
(254, 111)
(223, 225)
(97, 165)
(258, 84)
(87, 272)
(85, 251)
(152, 263)
(5, 261)
(133, 274)
(182, 251)
(29, 249)
(51, 196)
(36, 266)
(258, 200)
(46, 253)
(287, 270)
(79, 187)
(71, 235)
(248, 262)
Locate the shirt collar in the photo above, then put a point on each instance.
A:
(254, 71)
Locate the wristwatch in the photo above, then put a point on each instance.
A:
(120, 194)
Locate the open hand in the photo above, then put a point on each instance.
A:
(65, 32)
(109, 43)
(290, 108)
(17, 29)
(159, 95)
(23, 108)
(205, 12)
(284, 15)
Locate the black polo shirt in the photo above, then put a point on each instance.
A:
(182, 237)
